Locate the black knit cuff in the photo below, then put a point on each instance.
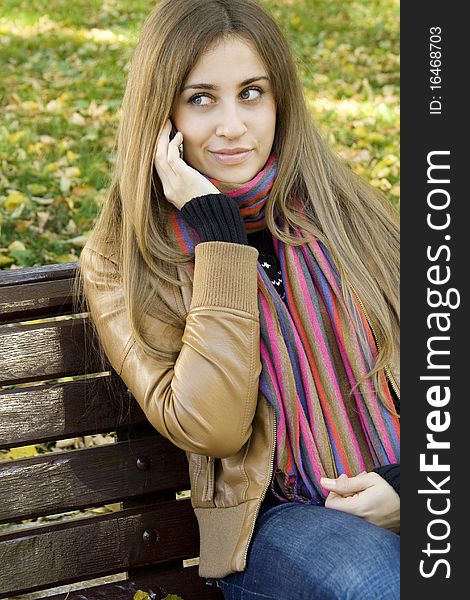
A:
(391, 474)
(216, 218)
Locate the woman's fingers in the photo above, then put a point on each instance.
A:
(167, 151)
(347, 486)
(350, 504)
(161, 151)
(378, 503)
(173, 150)
(171, 169)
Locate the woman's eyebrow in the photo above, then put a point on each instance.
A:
(211, 86)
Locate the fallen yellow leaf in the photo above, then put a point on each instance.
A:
(54, 106)
(77, 119)
(30, 106)
(72, 171)
(15, 199)
(47, 139)
(36, 148)
(82, 190)
(78, 241)
(23, 452)
(22, 225)
(15, 137)
(71, 156)
(65, 184)
(37, 188)
(296, 22)
(16, 246)
(101, 510)
(66, 258)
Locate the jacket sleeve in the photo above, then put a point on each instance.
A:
(205, 400)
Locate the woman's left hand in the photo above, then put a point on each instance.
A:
(366, 495)
(180, 182)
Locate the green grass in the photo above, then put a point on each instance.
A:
(63, 69)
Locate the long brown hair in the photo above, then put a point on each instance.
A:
(355, 222)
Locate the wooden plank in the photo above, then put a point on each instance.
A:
(59, 482)
(47, 351)
(36, 300)
(38, 273)
(185, 583)
(63, 410)
(75, 551)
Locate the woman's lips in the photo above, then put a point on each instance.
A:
(230, 159)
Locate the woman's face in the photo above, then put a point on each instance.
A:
(227, 113)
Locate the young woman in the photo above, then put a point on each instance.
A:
(244, 285)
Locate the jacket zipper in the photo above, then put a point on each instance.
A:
(264, 492)
(208, 493)
(388, 373)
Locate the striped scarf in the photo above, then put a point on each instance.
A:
(315, 436)
(252, 196)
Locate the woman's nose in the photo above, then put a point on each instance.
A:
(231, 124)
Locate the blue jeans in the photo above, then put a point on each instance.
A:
(307, 552)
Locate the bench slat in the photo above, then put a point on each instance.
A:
(61, 481)
(46, 351)
(184, 582)
(89, 548)
(35, 274)
(51, 412)
(35, 300)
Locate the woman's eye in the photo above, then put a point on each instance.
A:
(199, 100)
(251, 93)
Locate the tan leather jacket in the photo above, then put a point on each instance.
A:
(207, 402)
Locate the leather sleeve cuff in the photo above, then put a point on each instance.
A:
(216, 218)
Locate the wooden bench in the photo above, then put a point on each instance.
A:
(155, 535)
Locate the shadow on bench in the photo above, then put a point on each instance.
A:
(155, 535)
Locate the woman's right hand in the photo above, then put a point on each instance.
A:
(366, 495)
(181, 183)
